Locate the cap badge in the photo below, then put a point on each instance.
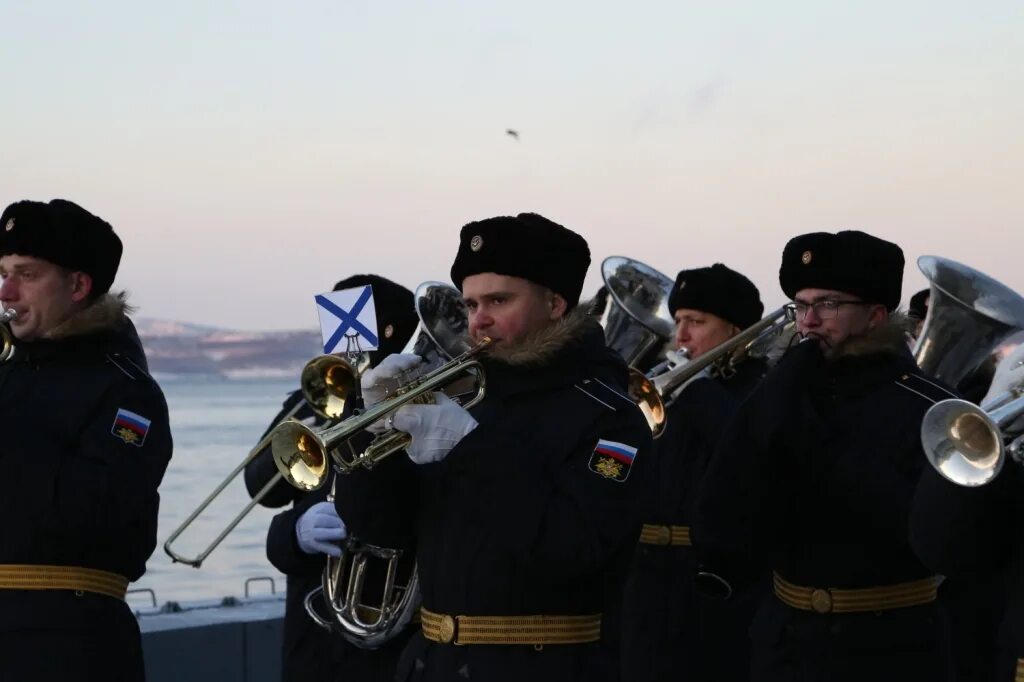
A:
(389, 331)
(476, 243)
(806, 258)
(9, 225)
(682, 285)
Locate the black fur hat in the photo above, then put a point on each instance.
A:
(528, 246)
(720, 291)
(396, 312)
(851, 261)
(918, 308)
(65, 234)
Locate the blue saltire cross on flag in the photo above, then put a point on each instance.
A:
(348, 316)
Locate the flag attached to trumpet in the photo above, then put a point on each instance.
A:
(348, 320)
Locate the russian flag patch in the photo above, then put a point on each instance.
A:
(130, 427)
(612, 460)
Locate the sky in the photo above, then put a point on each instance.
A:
(250, 154)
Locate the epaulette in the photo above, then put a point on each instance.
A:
(601, 392)
(931, 391)
(127, 366)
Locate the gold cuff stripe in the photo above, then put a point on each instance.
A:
(32, 577)
(665, 535)
(535, 630)
(884, 598)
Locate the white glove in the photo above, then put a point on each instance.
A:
(435, 429)
(1009, 374)
(320, 529)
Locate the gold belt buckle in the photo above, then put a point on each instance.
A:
(664, 535)
(821, 601)
(447, 629)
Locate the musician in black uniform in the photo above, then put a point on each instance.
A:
(524, 510)
(975, 536)
(815, 475)
(670, 630)
(86, 442)
(300, 537)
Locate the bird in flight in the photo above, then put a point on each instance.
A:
(513, 134)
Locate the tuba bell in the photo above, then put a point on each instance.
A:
(969, 315)
(633, 309)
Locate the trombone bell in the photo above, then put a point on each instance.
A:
(300, 455)
(963, 442)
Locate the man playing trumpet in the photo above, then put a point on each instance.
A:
(523, 511)
(670, 629)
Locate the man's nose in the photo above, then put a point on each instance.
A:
(8, 291)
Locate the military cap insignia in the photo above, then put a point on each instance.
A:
(9, 225)
(682, 285)
(476, 243)
(130, 427)
(612, 460)
(389, 331)
(806, 257)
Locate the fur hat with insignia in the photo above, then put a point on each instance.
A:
(852, 262)
(65, 234)
(720, 291)
(528, 246)
(396, 311)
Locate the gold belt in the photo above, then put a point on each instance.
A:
(822, 600)
(665, 535)
(1020, 671)
(536, 630)
(31, 577)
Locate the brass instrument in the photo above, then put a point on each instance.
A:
(654, 393)
(6, 336)
(969, 315)
(301, 452)
(326, 382)
(635, 314)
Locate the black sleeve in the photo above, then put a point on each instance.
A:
(283, 549)
(961, 531)
(109, 482)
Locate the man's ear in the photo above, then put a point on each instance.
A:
(877, 316)
(557, 306)
(81, 286)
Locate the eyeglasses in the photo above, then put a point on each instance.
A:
(827, 309)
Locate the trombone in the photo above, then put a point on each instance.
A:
(301, 452)
(326, 381)
(654, 393)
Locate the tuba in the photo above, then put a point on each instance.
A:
(632, 307)
(969, 315)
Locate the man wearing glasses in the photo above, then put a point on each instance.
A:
(815, 477)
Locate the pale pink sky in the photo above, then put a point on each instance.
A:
(251, 154)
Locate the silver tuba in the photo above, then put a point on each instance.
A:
(362, 619)
(969, 315)
(634, 312)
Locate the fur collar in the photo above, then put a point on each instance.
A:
(542, 346)
(103, 314)
(889, 338)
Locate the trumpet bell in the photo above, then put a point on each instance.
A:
(327, 383)
(644, 393)
(962, 442)
(300, 455)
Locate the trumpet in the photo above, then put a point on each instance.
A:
(654, 393)
(301, 452)
(326, 381)
(6, 336)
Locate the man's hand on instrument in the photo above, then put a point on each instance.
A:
(320, 530)
(383, 380)
(435, 429)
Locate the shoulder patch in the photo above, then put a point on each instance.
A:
(612, 460)
(130, 427)
(606, 395)
(929, 390)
